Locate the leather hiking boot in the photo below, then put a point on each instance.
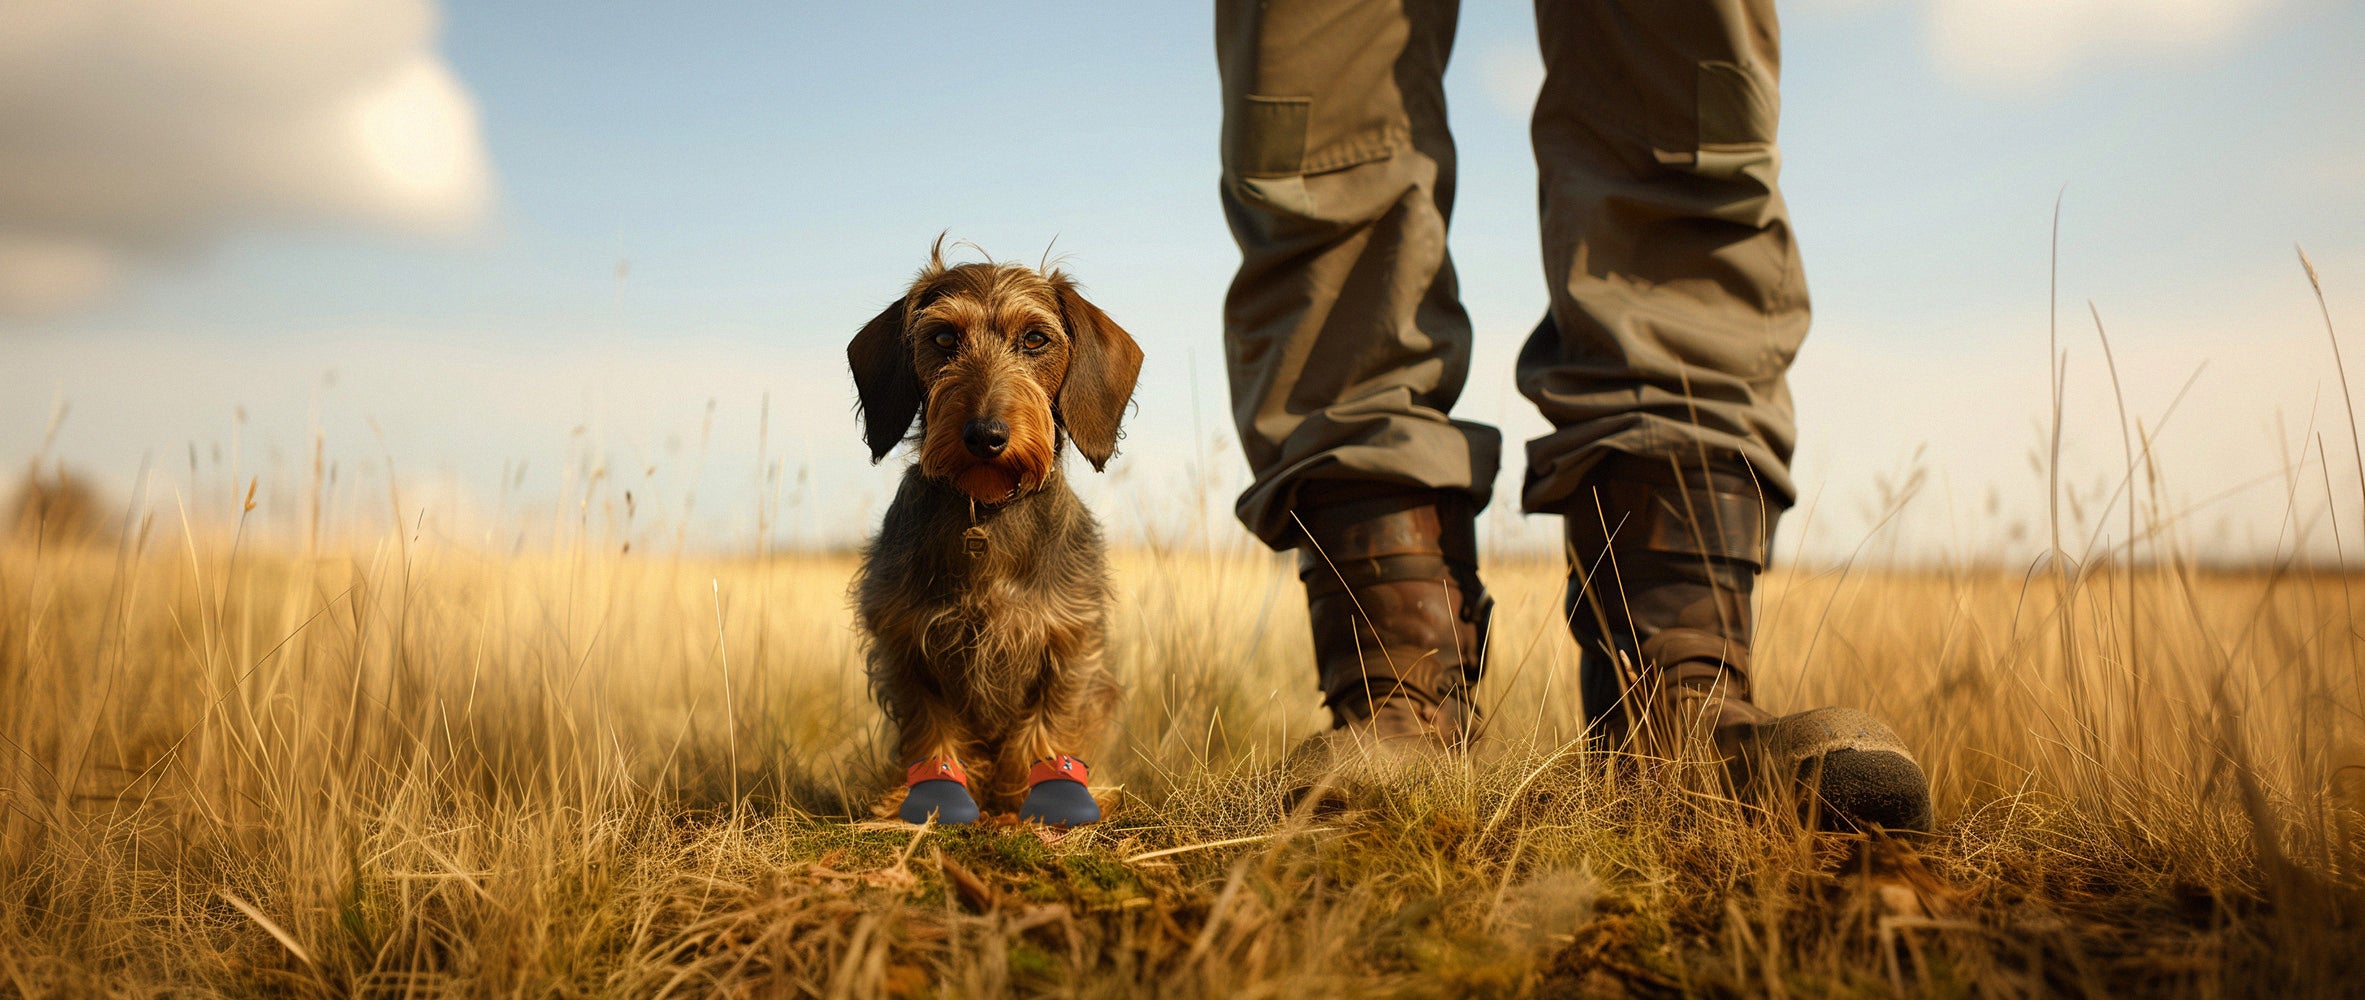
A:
(1663, 562)
(1694, 688)
(1399, 617)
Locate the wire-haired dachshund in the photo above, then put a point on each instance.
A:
(983, 595)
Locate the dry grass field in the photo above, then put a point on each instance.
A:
(418, 769)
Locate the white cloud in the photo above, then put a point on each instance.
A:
(134, 131)
(2026, 44)
(2008, 45)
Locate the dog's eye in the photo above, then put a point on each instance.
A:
(946, 340)
(1035, 340)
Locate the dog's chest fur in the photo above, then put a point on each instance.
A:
(986, 631)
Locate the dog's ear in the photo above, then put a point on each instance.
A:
(885, 387)
(1103, 362)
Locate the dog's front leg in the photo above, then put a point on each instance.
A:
(932, 745)
(1043, 747)
(932, 730)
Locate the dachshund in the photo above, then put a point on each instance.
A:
(983, 598)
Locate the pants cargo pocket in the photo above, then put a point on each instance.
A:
(1266, 137)
(1275, 146)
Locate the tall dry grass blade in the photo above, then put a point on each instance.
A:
(2316, 284)
(722, 644)
(270, 927)
(2132, 673)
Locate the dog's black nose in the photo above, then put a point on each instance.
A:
(985, 436)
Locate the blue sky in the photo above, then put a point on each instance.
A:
(701, 202)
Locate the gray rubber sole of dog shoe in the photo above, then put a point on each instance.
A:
(1060, 802)
(948, 801)
(1861, 773)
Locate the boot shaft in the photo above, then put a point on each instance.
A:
(1663, 562)
(1398, 614)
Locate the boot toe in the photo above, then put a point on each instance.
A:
(1860, 772)
(946, 800)
(1860, 789)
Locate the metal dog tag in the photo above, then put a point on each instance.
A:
(973, 541)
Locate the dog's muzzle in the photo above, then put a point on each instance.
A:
(985, 437)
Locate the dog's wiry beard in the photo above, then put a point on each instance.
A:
(1025, 462)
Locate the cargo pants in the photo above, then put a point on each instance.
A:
(1676, 297)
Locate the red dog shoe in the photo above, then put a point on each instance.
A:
(1056, 793)
(939, 788)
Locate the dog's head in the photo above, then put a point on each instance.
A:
(997, 361)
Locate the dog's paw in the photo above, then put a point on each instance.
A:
(1056, 793)
(938, 788)
(947, 801)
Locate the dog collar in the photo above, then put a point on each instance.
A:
(973, 541)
